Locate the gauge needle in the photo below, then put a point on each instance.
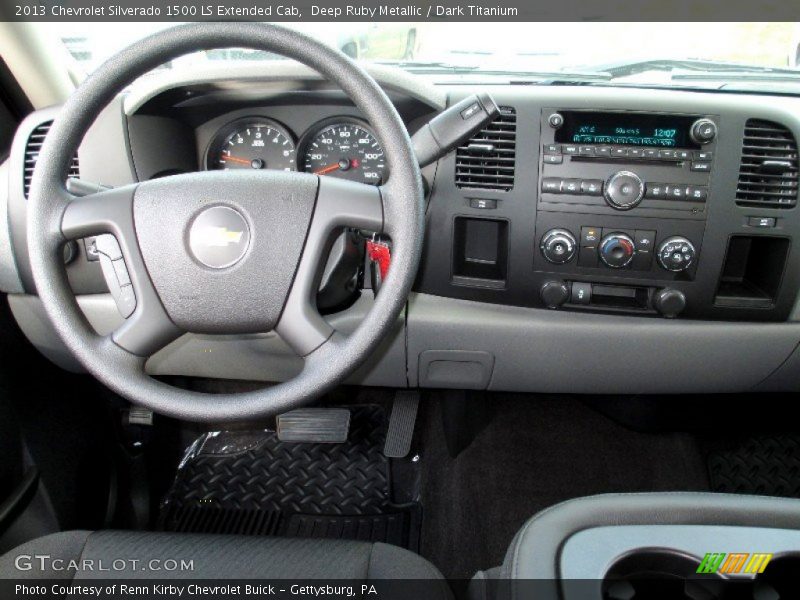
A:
(235, 159)
(326, 170)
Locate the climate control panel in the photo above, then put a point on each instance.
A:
(620, 246)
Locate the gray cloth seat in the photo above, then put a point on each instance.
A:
(216, 557)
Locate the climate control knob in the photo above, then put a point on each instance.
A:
(676, 254)
(624, 190)
(617, 250)
(558, 246)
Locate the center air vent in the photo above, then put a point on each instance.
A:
(32, 149)
(486, 160)
(768, 171)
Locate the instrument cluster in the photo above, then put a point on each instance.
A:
(343, 147)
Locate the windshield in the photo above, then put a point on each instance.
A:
(619, 52)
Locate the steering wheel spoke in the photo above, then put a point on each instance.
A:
(108, 216)
(340, 203)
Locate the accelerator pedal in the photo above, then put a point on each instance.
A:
(401, 424)
(314, 425)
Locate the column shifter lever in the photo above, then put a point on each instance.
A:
(448, 129)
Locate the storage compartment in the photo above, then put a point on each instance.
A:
(480, 253)
(752, 272)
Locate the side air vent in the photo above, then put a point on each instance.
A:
(486, 161)
(32, 149)
(768, 171)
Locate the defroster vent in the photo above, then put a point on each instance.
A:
(32, 149)
(768, 171)
(486, 161)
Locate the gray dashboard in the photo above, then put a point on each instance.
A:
(458, 332)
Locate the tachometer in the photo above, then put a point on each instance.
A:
(345, 149)
(252, 144)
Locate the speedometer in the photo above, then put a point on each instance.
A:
(345, 149)
(252, 143)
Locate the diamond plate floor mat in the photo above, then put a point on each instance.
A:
(764, 465)
(252, 483)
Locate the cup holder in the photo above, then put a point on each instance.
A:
(780, 580)
(659, 574)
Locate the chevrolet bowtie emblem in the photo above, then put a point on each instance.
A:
(219, 236)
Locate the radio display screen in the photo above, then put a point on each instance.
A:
(626, 129)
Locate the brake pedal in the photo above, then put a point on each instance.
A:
(401, 424)
(314, 425)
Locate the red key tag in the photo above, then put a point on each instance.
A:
(379, 252)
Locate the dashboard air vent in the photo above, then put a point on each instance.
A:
(768, 171)
(32, 149)
(486, 161)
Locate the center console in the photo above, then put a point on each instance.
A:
(653, 545)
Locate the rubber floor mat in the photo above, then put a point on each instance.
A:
(764, 465)
(252, 483)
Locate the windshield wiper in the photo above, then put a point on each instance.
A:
(423, 68)
(697, 69)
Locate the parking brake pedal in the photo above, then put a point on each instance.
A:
(401, 424)
(314, 425)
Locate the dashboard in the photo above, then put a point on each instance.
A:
(588, 240)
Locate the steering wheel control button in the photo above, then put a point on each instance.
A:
(624, 190)
(676, 254)
(581, 293)
(558, 246)
(703, 131)
(219, 237)
(617, 250)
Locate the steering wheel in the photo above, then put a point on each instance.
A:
(222, 252)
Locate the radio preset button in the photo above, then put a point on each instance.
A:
(551, 185)
(651, 153)
(635, 153)
(667, 154)
(619, 152)
(586, 150)
(603, 150)
(592, 187)
(656, 190)
(697, 193)
(624, 190)
(676, 192)
(683, 155)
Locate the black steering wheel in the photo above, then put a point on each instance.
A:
(223, 251)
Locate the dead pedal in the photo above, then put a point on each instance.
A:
(314, 425)
(401, 424)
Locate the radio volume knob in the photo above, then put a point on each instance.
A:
(617, 250)
(676, 254)
(703, 131)
(558, 246)
(624, 190)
